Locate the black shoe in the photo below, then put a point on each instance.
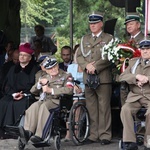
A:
(146, 148)
(36, 139)
(24, 135)
(88, 141)
(130, 146)
(105, 142)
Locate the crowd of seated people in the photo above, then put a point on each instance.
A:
(50, 86)
(22, 79)
(5, 68)
(17, 75)
(6, 52)
(18, 82)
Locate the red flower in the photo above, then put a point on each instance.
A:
(137, 53)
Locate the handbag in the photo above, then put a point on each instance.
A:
(93, 81)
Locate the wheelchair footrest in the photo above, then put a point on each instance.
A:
(12, 130)
(41, 144)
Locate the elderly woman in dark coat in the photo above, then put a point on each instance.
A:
(20, 79)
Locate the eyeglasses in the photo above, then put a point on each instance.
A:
(24, 55)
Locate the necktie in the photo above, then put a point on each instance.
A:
(94, 38)
(132, 38)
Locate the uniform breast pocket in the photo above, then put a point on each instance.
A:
(97, 53)
(87, 47)
(58, 84)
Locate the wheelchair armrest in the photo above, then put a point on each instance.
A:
(124, 85)
(141, 113)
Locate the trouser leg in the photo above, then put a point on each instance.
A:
(127, 112)
(147, 130)
(43, 116)
(92, 106)
(31, 117)
(104, 112)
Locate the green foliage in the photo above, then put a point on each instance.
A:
(56, 13)
(62, 13)
(33, 11)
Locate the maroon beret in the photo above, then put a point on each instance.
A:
(26, 48)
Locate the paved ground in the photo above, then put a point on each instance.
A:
(11, 144)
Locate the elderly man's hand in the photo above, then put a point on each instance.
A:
(142, 78)
(139, 84)
(46, 89)
(43, 81)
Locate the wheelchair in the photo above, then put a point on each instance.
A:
(139, 121)
(75, 114)
(139, 127)
(79, 122)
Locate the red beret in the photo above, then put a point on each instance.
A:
(26, 48)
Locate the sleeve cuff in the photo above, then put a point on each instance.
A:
(39, 86)
(13, 95)
(52, 91)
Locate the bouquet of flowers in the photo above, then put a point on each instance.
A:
(120, 53)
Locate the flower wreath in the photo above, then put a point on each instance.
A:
(120, 53)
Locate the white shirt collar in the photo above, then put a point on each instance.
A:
(66, 64)
(136, 35)
(97, 34)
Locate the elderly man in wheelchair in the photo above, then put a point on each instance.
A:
(137, 75)
(51, 86)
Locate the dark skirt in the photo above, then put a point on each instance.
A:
(11, 110)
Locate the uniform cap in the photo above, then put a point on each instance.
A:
(26, 48)
(132, 17)
(95, 17)
(144, 43)
(49, 62)
(42, 56)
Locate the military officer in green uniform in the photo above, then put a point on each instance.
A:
(52, 85)
(133, 28)
(97, 98)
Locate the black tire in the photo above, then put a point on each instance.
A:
(79, 123)
(139, 139)
(57, 143)
(21, 146)
(120, 144)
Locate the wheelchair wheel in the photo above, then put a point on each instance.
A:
(140, 139)
(79, 123)
(21, 146)
(57, 142)
(120, 144)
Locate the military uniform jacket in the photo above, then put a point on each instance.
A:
(90, 51)
(38, 75)
(129, 76)
(138, 38)
(62, 84)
